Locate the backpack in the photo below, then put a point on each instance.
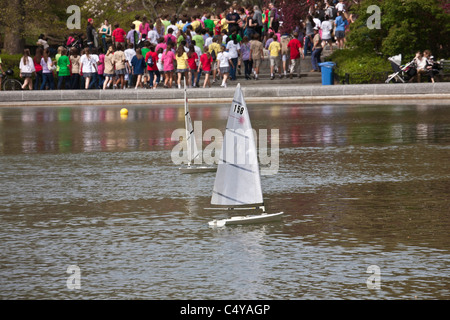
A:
(213, 55)
(150, 62)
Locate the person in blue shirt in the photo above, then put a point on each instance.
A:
(341, 23)
(138, 67)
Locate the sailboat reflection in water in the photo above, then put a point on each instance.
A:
(238, 184)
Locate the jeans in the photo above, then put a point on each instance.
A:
(152, 74)
(75, 81)
(94, 81)
(47, 78)
(308, 45)
(248, 68)
(38, 80)
(193, 80)
(315, 58)
(233, 68)
(66, 80)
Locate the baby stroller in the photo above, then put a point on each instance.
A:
(402, 73)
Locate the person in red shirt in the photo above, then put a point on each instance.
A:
(192, 63)
(205, 65)
(295, 47)
(118, 35)
(151, 58)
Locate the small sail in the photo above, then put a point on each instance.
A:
(192, 151)
(238, 179)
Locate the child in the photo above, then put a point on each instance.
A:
(151, 59)
(138, 66)
(205, 64)
(214, 49)
(223, 64)
(275, 49)
(256, 54)
(47, 70)
(119, 61)
(75, 63)
(108, 72)
(160, 64)
(182, 66)
(101, 70)
(192, 63)
(26, 69)
(64, 70)
(245, 55)
(87, 66)
(167, 59)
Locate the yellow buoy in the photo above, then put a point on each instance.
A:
(123, 111)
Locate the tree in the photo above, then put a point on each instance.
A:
(406, 27)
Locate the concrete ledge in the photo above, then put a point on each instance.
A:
(252, 92)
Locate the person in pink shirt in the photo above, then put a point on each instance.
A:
(161, 44)
(169, 37)
(205, 65)
(101, 69)
(167, 58)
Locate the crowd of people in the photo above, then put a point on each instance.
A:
(163, 52)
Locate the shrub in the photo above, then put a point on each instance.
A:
(11, 61)
(360, 67)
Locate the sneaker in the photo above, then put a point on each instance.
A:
(291, 76)
(272, 77)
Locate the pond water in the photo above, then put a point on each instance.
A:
(363, 188)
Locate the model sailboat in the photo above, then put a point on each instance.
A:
(192, 151)
(238, 184)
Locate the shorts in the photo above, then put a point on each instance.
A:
(224, 69)
(284, 57)
(256, 63)
(87, 75)
(25, 75)
(340, 34)
(109, 75)
(121, 71)
(206, 72)
(274, 60)
(182, 70)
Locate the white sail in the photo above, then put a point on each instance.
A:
(192, 151)
(238, 178)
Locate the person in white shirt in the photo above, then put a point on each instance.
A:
(88, 66)
(223, 65)
(153, 35)
(129, 54)
(340, 6)
(327, 28)
(26, 67)
(233, 48)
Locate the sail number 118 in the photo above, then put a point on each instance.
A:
(238, 109)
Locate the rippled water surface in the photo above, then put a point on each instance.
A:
(360, 185)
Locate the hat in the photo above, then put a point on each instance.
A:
(316, 28)
(90, 20)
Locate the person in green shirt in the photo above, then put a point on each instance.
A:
(199, 41)
(210, 24)
(63, 63)
(144, 52)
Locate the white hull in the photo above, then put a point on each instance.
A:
(193, 169)
(264, 217)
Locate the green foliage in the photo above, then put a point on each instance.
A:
(406, 27)
(361, 67)
(11, 61)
